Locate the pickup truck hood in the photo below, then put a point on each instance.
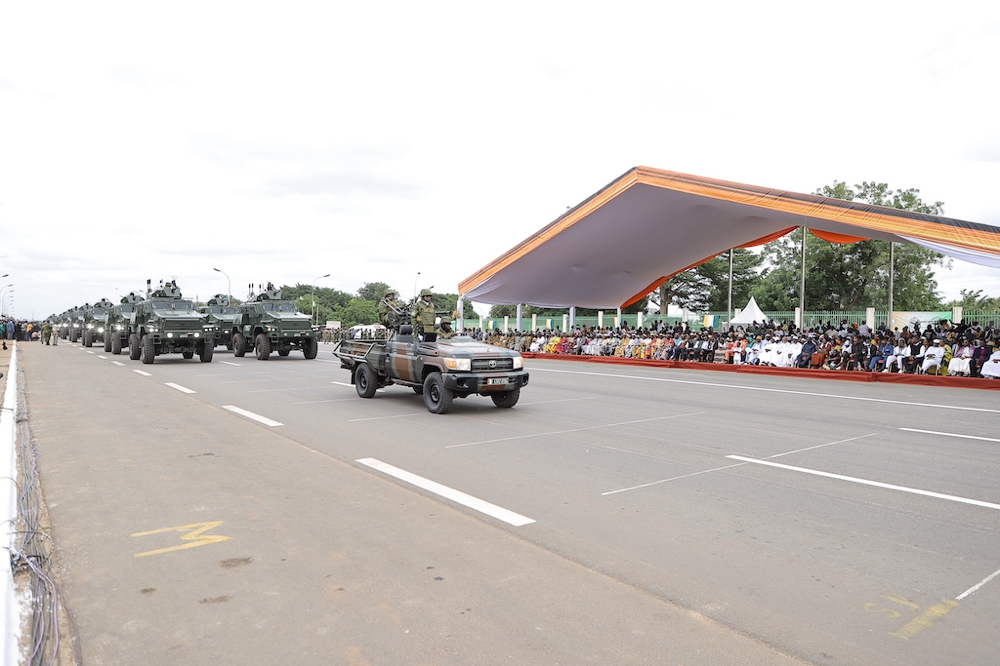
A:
(458, 347)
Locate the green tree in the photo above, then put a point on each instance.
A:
(373, 291)
(357, 311)
(706, 286)
(853, 276)
(974, 301)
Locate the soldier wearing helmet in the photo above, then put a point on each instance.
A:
(390, 310)
(423, 313)
(444, 331)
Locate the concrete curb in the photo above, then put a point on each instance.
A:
(10, 608)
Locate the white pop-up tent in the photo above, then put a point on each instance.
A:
(750, 314)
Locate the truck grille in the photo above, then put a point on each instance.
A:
(492, 364)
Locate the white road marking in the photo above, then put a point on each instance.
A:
(951, 434)
(866, 482)
(250, 415)
(716, 469)
(769, 390)
(376, 418)
(118, 363)
(229, 363)
(323, 360)
(507, 516)
(102, 357)
(143, 373)
(316, 402)
(90, 352)
(343, 384)
(182, 389)
(978, 585)
(564, 432)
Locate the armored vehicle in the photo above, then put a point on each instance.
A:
(440, 370)
(63, 324)
(94, 322)
(118, 321)
(221, 314)
(267, 323)
(74, 322)
(165, 323)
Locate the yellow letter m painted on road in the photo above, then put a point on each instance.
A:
(195, 537)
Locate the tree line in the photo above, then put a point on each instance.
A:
(353, 309)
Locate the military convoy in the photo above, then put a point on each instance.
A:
(94, 325)
(166, 323)
(266, 323)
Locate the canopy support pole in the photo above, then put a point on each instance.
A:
(729, 310)
(461, 312)
(802, 282)
(520, 313)
(892, 268)
(572, 318)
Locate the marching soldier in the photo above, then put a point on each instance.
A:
(423, 313)
(46, 331)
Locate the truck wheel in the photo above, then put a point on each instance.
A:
(436, 396)
(507, 399)
(239, 345)
(88, 339)
(116, 343)
(188, 355)
(133, 347)
(310, 347)
(263, 346)
(282, 353)
(107, 342)
(206, 352)
(147, 350)
(365, 381)
(72, 335)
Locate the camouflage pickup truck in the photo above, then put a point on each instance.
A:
(267, 323)
(165, 323)
(440, 370)
(222, 315)
(94, 322)
(118, 323)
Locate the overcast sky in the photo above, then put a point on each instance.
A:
(373, 141)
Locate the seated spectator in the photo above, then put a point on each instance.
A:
(933, 356)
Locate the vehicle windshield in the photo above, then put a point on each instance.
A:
(99, 312)
(177, 306)
(230, 310)
(216, 309)
(280, 307)
(127, 308)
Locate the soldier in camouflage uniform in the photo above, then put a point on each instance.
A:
(444, 331)
(423, 313)
(390, 310)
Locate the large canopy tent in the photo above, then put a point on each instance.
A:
(649, 225)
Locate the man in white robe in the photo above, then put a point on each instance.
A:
(933, 355)
(991, 368)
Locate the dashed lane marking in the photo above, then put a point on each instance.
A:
(507, 516)
(182, 389)
(866, 482)
(142, 372)
(250, 415)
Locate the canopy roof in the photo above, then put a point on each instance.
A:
(648, 225)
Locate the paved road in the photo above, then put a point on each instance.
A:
(654, 516)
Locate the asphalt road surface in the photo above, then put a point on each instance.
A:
(249, 512)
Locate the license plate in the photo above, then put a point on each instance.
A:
(498, 380)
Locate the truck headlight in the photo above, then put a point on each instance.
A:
(518, 362)
(460, 364)
(90, 326)
(100, 329)
(169, 335)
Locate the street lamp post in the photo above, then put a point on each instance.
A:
(229, 287)
(312, 297)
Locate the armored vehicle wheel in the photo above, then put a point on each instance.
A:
(188, 355)
(206, 352)
(507, 399)
(73, 337)
(436, 396)
(239, 344)
(116, 343)
(229, 345)
(282, 353)
(310, 347)
(107, 341)
(147, 350)
(263, 347)
(364, 381)
(133, 347)
(88, 339)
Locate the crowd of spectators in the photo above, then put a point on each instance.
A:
(942, 348)
(20, 329)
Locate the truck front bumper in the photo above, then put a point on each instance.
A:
(495, 382)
